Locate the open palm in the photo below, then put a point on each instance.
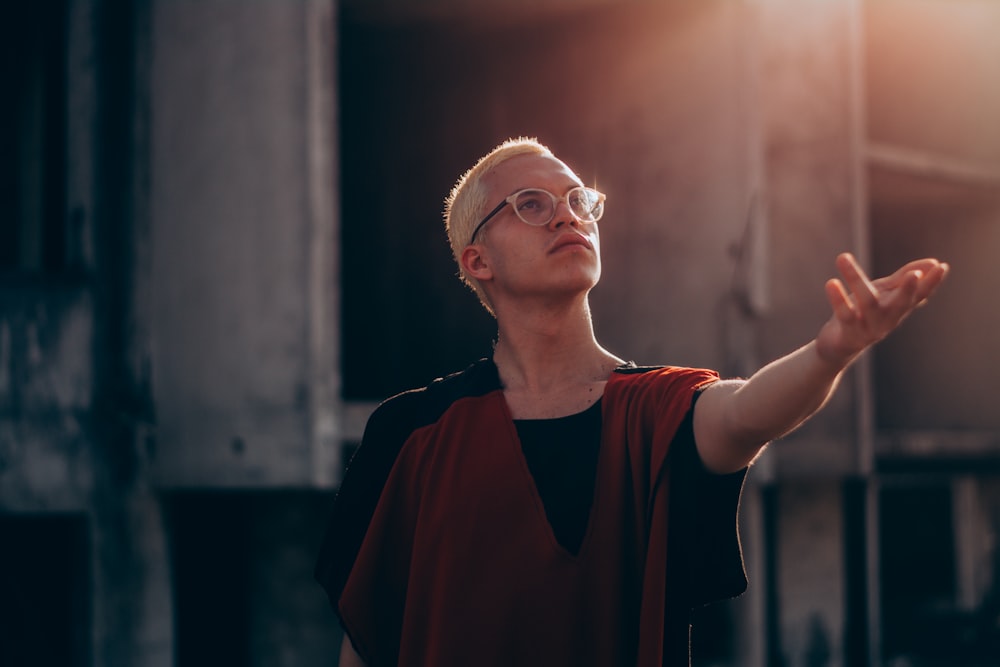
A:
(866, 311)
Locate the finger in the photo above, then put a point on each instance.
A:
(931, 280)
(925, 266)
(930, 274)
(903, 298)
(865, 293)
(840, 301)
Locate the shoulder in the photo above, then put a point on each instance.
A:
(662, 379)
(655, 398)
(406, 412)
(395, 420)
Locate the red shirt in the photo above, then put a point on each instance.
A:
(459, 566)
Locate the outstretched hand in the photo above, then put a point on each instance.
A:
(866, 311)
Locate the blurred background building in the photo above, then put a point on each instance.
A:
(222, 245)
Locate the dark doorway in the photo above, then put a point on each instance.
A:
(917, 572)
(210, 556)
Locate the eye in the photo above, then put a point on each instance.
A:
(582, 200)
(531, 201)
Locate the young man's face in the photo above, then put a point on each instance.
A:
(558, 259)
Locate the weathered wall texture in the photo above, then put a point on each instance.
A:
(45, 395)
(233, 267)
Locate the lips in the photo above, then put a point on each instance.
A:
(571, 239)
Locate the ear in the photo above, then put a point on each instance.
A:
(475, 264)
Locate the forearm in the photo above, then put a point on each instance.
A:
(782, 395)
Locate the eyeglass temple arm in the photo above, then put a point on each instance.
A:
(489, 216)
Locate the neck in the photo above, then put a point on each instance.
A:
(545, 349)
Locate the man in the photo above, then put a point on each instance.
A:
(555, 505)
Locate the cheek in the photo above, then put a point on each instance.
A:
(507, 258)
(516, 246)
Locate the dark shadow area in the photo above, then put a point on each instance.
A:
(244, 592)
(44, 591)
(211, 593)
(33, 138)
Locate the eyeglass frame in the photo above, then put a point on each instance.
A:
(510, 199)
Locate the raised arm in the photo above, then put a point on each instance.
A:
(734, 419)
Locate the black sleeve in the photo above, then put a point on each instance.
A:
(704, 539)
(387, 430)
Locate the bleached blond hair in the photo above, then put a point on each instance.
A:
(466, 204)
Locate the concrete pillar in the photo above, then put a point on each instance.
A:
(243, 242)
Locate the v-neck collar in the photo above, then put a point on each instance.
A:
(513, 444)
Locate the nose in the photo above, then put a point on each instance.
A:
(563, 215)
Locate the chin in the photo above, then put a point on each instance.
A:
(583, 282)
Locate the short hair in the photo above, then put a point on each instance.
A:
(466, 204)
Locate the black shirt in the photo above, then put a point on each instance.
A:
(562, 456)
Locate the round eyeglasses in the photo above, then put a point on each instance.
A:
(537, 207)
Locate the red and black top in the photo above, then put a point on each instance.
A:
(439, 551)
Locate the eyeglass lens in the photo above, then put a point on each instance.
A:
(537, 207)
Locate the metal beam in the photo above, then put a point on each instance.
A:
(932, 165)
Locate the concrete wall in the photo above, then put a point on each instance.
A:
(242, 265)
(73, 411)
(936, 189)
(811, 574)
(812, 129)
(46, 391)
(86, 356)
